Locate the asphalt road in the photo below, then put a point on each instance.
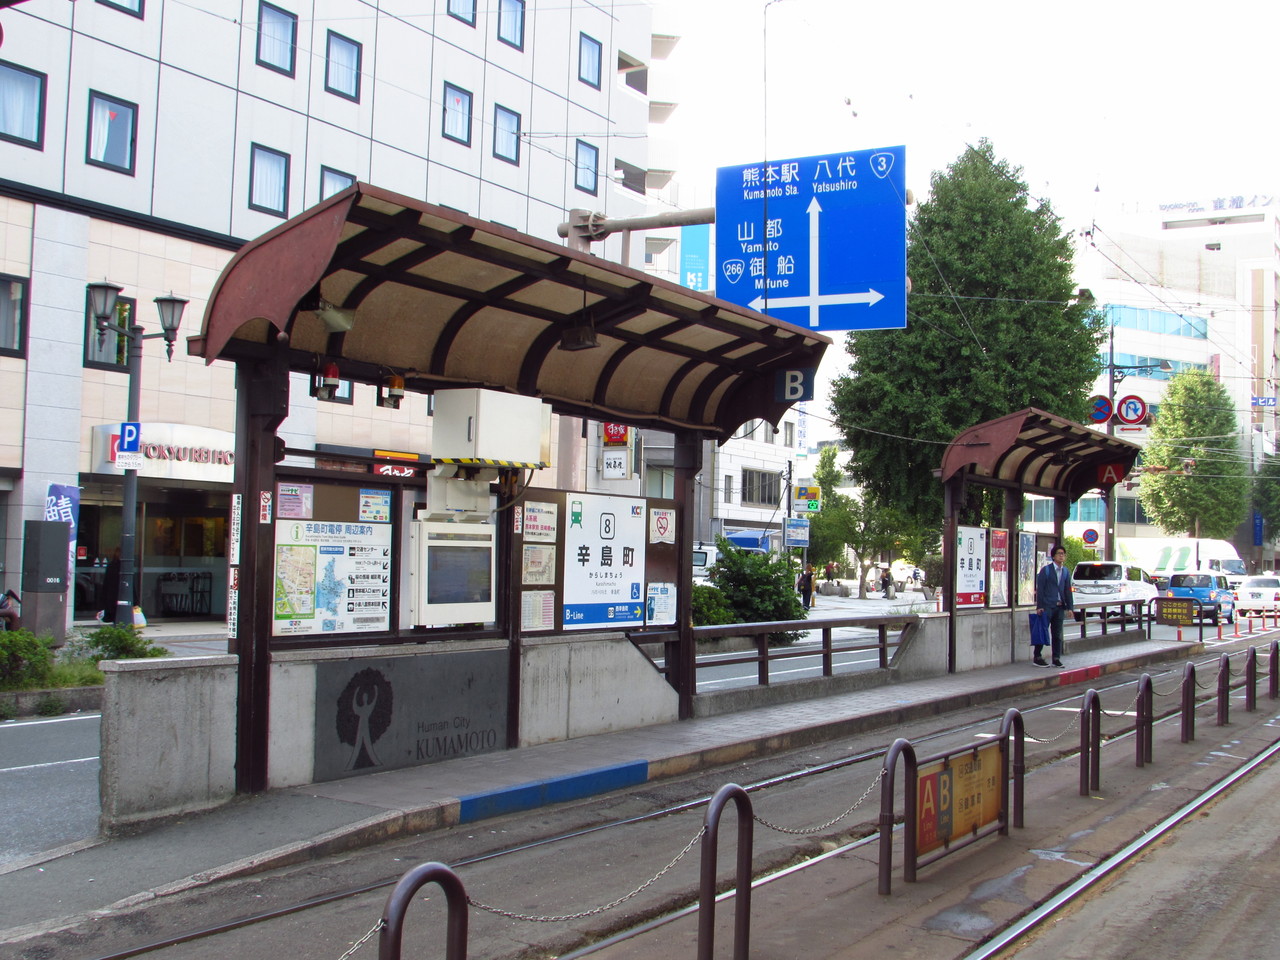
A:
(48, 784)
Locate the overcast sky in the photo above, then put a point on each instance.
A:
(1150, 102)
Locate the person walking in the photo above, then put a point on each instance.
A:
(1054, 597)
(804, 583)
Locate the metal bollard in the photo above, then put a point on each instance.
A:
(1251, 680)
(1189, 703)
(398, 904)
(1146, 720)
(707, 882)
(1090, 742)
(1224, 690)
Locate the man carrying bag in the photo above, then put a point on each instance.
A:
(1053, 600)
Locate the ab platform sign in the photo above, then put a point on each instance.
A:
(818, 242)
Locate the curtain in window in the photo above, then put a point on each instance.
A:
(511, 21)
(275, 39)
(10, 314)
(457, 114)
(268, 180)
(19, 104)
(100, 129)
(589, 60)
(343, 65)
(507, 134)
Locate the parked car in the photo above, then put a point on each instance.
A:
(1112, 581)
(1217, 602)
(1258, 595)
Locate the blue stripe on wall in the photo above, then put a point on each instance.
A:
(528, 796)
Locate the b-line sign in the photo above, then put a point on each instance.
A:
(819, 242)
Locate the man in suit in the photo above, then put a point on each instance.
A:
(1053, 600)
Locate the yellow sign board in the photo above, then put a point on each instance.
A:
(957, 795)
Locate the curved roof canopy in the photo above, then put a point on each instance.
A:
(1039, 453)
(445, 300)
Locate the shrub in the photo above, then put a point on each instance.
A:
(710, 607)
(758, 587)
(50, 706)
(931, 566)
(25, 659)
(7, 711)
(115, 642)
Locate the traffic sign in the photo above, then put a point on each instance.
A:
(130, 438)
(796, 533)
(1090, 536)
(813, 506)
(820, 242)
(1131, 409)
(1264, 401)
(1101, 409)
(808, 493)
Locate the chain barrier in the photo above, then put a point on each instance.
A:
(1075, 722)
(351, 950)
(809, 831)
(595, 911)
(1131, 708)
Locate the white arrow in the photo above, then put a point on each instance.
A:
(815, 301)
(830, 299)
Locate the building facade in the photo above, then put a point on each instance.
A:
(144, 141)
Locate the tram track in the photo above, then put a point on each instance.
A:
(800, 773)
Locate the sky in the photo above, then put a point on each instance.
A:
(1108, 107)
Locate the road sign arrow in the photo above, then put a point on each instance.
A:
(870, 298)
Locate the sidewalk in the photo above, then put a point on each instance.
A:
(284, 826)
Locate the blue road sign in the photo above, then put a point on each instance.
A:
(819, 242)
(130, 437)
(796, 533)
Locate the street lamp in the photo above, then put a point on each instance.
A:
(102, 301)
(1115, 374)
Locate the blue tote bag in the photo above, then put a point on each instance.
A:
(1039, 629)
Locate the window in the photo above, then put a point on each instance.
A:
(1129, 510)
(728, 488)
(268, 180)
(13, 315)
(277, 38)
(511, 22)
(589, 60)
(342, 67)
(457, 114)
(506, 135)
(333, 181)
(128, 6)
(761, 489)
(112, 353)
(21, 105)
(113, 126)
(464, 10)
(586, 168)
(788, 433)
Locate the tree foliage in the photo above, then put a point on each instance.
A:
(994, 326)
(1208, 497)
(1266, 494)
(757, 587)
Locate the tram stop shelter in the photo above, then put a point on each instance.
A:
(386, 290)
(1027, 452)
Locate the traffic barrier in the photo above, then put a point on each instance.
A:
(1090, 742)
(1144, 732)
(707, 879)
(1188, 732)
(1224, 690)
(1251, 680)
(392, 923)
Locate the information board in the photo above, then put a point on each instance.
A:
(957, 796)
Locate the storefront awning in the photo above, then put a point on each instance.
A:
(386, 285)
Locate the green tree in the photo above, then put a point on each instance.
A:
(1266, 494)
(1199, 487)
(757, 587)
(994, 326)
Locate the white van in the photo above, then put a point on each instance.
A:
(1110, 580)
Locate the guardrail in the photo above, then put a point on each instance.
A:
(765, 656)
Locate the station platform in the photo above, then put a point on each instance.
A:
(279, 827)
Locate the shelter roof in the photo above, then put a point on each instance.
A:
(445, 300)
(1038, 452)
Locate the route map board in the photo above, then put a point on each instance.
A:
(818, 242)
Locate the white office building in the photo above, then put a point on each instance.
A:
(144, 141)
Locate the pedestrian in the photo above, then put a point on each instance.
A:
(804, 583)
(830, 570)
(1054, 597)
(885, 581)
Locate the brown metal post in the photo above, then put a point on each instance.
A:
(828, 666)
(1013, 727)
(884, 645)
(1146, 719)
(389, 940)
(262, 403)
(1251, 680)
(1224, 690)
(1273, 670)
(687, 454)
(903, 748)
(762, 659)
(953, 498)
(1189, 703)
(511, 614)
(1090, 742)
(707, 880)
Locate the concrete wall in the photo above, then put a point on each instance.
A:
(576, 685)
(168, 737)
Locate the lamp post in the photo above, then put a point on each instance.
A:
(102, 302)
(1115, 374)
